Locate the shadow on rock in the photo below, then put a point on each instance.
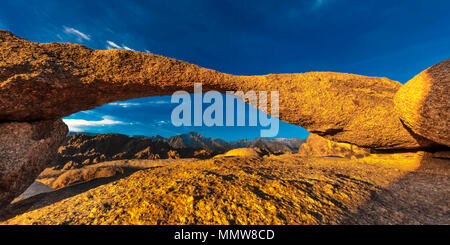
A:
(418, 197)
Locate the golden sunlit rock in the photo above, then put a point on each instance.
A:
(319, 146)
(84, 175)
(52, 80)
(423, 103)
(42, 82)
(242, 152)
(285, 189)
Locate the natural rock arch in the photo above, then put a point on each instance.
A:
(43, 82)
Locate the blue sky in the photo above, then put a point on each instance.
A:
(394, 39)
(152, 116)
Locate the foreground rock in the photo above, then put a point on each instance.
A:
(423, 103)
(53, 80)
(286, 189)
(319, 146)
(62, 178)
(76, 176)
(25, 150)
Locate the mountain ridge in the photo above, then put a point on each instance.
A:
(88, 148)
(293, 143)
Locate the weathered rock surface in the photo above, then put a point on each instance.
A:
(423, 103)
(276, 190)
(51, 80)
(62, 178)
(242, 152)
(76, 176)
(25, 150)
(319, 146)
(442, 154)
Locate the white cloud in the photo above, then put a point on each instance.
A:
(79, 125)
(125, 104)
(113, 45)
(79, 34)
(131, 104)
(161, 123)
(127, 48)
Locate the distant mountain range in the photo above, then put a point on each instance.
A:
(89, 148)
(197, 141)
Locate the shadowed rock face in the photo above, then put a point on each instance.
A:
(25, 150)
(49, 81)
(423, 103)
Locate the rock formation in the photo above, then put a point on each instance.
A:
(242, 152)
(52, 80)
(25, 150)
(319, 146)
(442, 154)
(423, 103)
(43, 82)
(75, 176)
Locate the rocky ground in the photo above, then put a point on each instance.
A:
(402, 188)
